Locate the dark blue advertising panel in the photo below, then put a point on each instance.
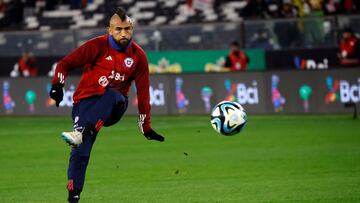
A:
(292, 93)
(198, 93)
(29, 96)
(338, 88)
(313, 91)
(302, 59)
(175, 94)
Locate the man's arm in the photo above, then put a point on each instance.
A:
(85, 54)
(143, 95)
(227, 62)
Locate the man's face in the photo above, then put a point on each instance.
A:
(234, 49)
(121, 31)
(346, 35)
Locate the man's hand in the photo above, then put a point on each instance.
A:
(56, 93)
(152, 135)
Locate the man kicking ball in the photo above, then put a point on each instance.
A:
(110, 63)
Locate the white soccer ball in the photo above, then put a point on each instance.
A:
(228, 118)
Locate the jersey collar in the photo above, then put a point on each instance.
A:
(116, 46)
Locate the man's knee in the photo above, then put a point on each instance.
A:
(117, 112)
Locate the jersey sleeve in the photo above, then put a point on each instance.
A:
(227, 62)
(84, 54)
(143, 95)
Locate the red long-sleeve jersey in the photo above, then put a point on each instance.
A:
(105, 67)
(237, 61)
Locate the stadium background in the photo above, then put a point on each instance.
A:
(300, 145)
(191, 41)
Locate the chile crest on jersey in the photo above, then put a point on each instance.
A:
(128, 62)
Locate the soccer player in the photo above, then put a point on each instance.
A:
(110, 64)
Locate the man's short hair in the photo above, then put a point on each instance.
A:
(348, 30)
(234, 43)
(121, 13)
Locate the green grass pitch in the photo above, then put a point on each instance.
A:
(275, 159)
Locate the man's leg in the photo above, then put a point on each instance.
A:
(93, 118)
(117, 112)
(84, 116)
(104, 108)
(79, 159)
(80, 155)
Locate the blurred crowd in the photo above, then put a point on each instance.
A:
(298, 8)
(12, 12)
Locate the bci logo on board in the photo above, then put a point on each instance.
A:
(241, 92)
(349, 92)
(342, 90)
(247, 94)
(310, 64)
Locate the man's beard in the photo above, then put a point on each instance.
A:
(123, 43)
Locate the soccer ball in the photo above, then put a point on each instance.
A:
(228, 118)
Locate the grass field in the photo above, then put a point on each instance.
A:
(275, 159)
